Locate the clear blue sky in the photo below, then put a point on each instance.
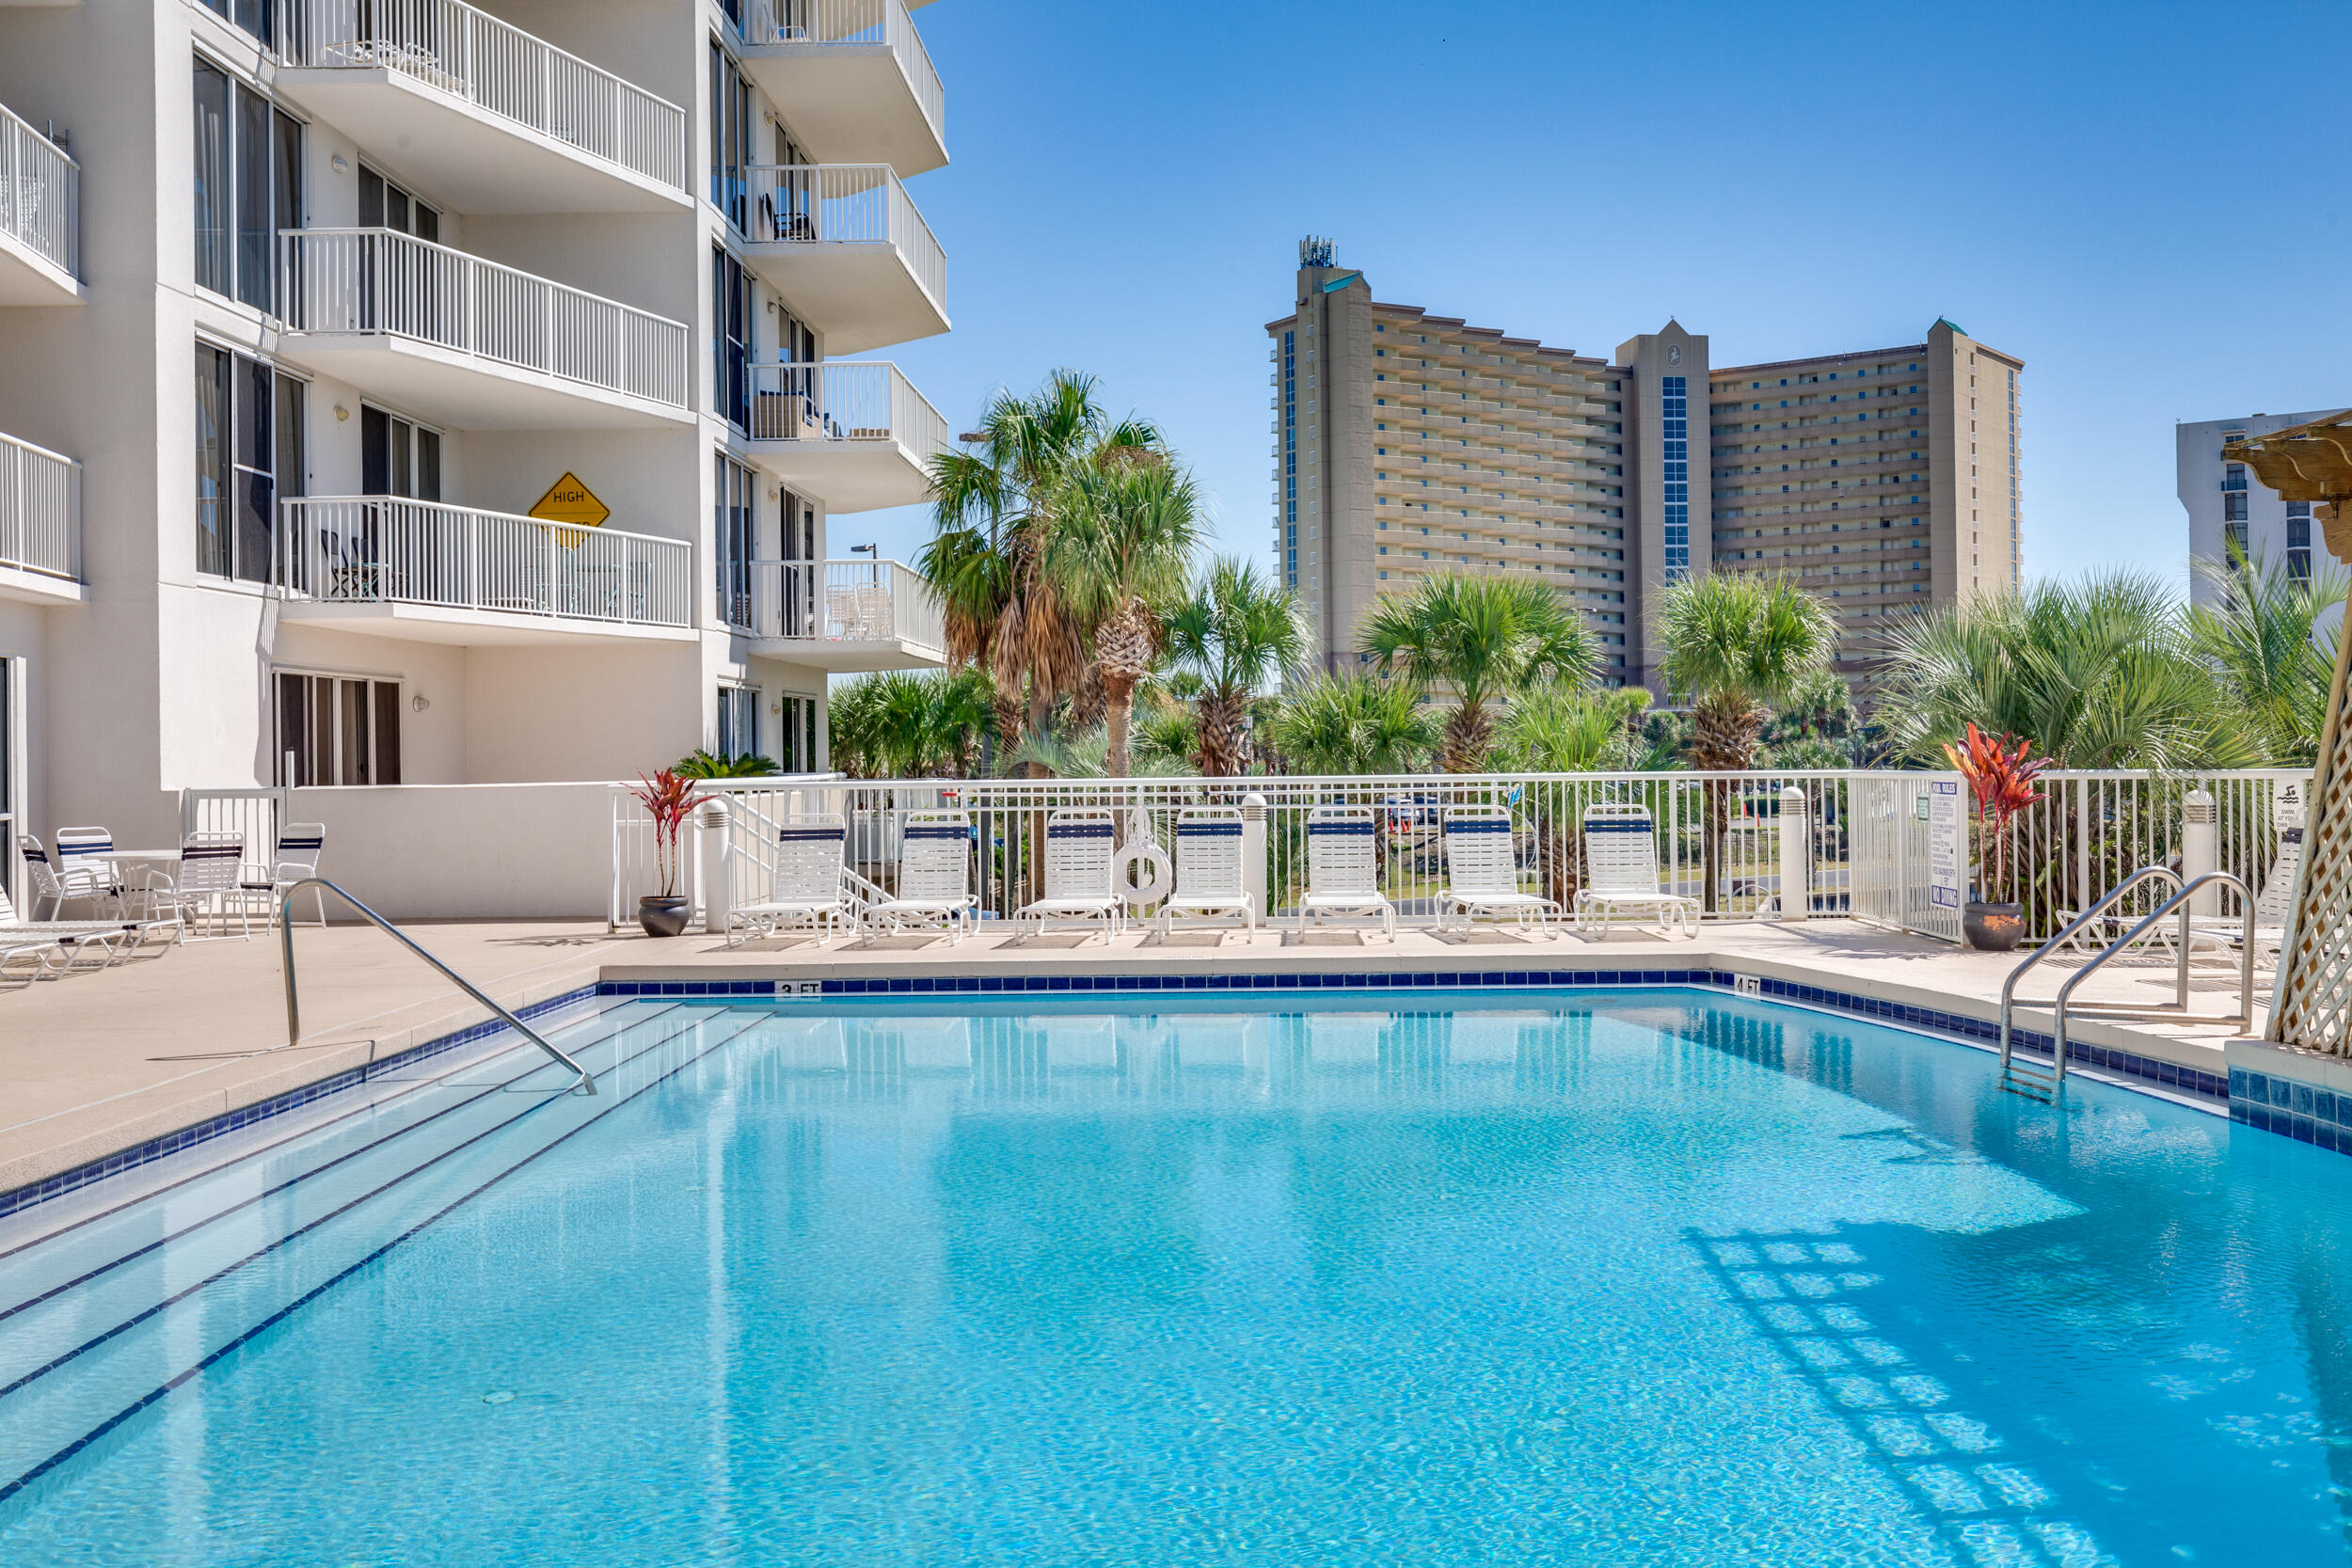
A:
(2108, 190)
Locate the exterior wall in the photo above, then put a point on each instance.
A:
(1653, 359)
(2201, 482)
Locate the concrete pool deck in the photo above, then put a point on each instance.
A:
(102, 1061)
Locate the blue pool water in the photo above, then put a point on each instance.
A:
(1627, 1278)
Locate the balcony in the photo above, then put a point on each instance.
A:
(841, 616)
(41, 524)
(430, 573)
(856, 77)
(846, 246)
(486, 116)
(471, 343)
(40, 192)
(853, 437)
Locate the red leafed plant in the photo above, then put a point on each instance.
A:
(2000, 771)
(667, 797)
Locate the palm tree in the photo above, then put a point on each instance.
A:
(1122, 546)
(1354, 725)
(903, 725)
(1237, 631)
(1486, 639)
(1736, 644)
(2100, 674)
(1555, 730)
(2261, 638)
(993, 505)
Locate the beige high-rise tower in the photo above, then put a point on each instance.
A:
(1407, 444)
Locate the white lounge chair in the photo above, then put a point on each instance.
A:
(1483, 873)
(299, 845)
(1344, 867)
(934, 878)
(1621, 874)
(205, 884)
(811, 887)
(1208, 867)
(43, 953)
(1079, 844)
(117, 937)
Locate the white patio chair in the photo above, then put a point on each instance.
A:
(118, 937)
(299, 845)
(1483, 873)
(85, 863)
(811, 887)
(1621, 874)
(58, 885)
(1209, 877)
(1080, 842)
(934, 878)
(205, 884)
(1344, 867)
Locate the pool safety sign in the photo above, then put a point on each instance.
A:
(1943, 839)
(569, 500)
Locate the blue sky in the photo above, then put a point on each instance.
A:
(2106, 191)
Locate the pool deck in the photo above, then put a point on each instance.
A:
(100, 1062)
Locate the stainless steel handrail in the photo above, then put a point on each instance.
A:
(2244, 1015)
(2009, 987)
(584, 1084)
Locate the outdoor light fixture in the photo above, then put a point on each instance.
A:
(419, 702)
(340, 167)
(342, 413)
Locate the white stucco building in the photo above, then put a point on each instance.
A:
(307, 306)
(2227, 507)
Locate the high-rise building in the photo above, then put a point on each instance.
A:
(2233, 515)
(435, 393)
(1407, 444)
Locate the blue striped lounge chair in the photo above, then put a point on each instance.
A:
(1343, 869)
(1209, 877)
(1483, 872)
(1080, 842)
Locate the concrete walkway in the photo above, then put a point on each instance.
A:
(101, 1061)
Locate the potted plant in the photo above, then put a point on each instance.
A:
(2000, 772)
(667, 797)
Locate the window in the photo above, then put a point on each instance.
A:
(1290, 461)
(736, 521)
(796, 747)
(386, 205)
(1674, 451)
(2233, 476)
(248, 166)
(2300, 541)
(398, 457)
(248, 455)
(730, 137)
(739, 722)
(2234, 506)
(338, 730)
(258, 17)
(730, 339)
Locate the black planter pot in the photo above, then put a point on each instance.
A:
(664, 916)
(1992, 927)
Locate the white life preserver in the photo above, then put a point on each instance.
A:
(1157, 878)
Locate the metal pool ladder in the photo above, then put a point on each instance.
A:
(581, 1084)
(2036, 1082)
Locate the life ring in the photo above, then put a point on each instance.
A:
(1158, 881)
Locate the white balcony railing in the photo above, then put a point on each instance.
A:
(41, 192)
(473, 55)
(837, 601)
(843, 403)
(381, 549)
(819, 204)
(375, 280)
(821, 24)
(41, 509)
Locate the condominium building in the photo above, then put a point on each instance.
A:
(1407, 444)
(2233, 515)
(430, 393)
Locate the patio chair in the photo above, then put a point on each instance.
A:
(205, 884)
(299, 845)
(1621, 874)
(1079, 844)
(811, 885)
(86, 861)
(1344, 867)
(1208, 867)
(934, 878)
(58, 884)
(58, 943)
(42, 951)
(1483, 872)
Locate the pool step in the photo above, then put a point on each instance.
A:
(103, 1317)
(2029, 1079)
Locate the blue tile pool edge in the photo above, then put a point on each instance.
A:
(2277, 1117)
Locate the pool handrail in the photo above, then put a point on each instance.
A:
(2244, 1018)
(584, 1084)
(2009, 987)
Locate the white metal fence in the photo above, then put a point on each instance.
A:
(841, 402)
(369, 280)
(380, 549)
(844, 601)
(850, 24)
(844, 204)
(255, 816)
(475, 57)
(40, 194)
(41, 509)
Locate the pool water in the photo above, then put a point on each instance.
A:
(1647, 1276)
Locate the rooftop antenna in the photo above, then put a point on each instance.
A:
(1314, 251)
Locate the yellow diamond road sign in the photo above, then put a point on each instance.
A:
(569, 500)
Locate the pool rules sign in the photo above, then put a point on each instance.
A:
(1943, 842)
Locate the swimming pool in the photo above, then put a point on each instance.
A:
(1651, 1275)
